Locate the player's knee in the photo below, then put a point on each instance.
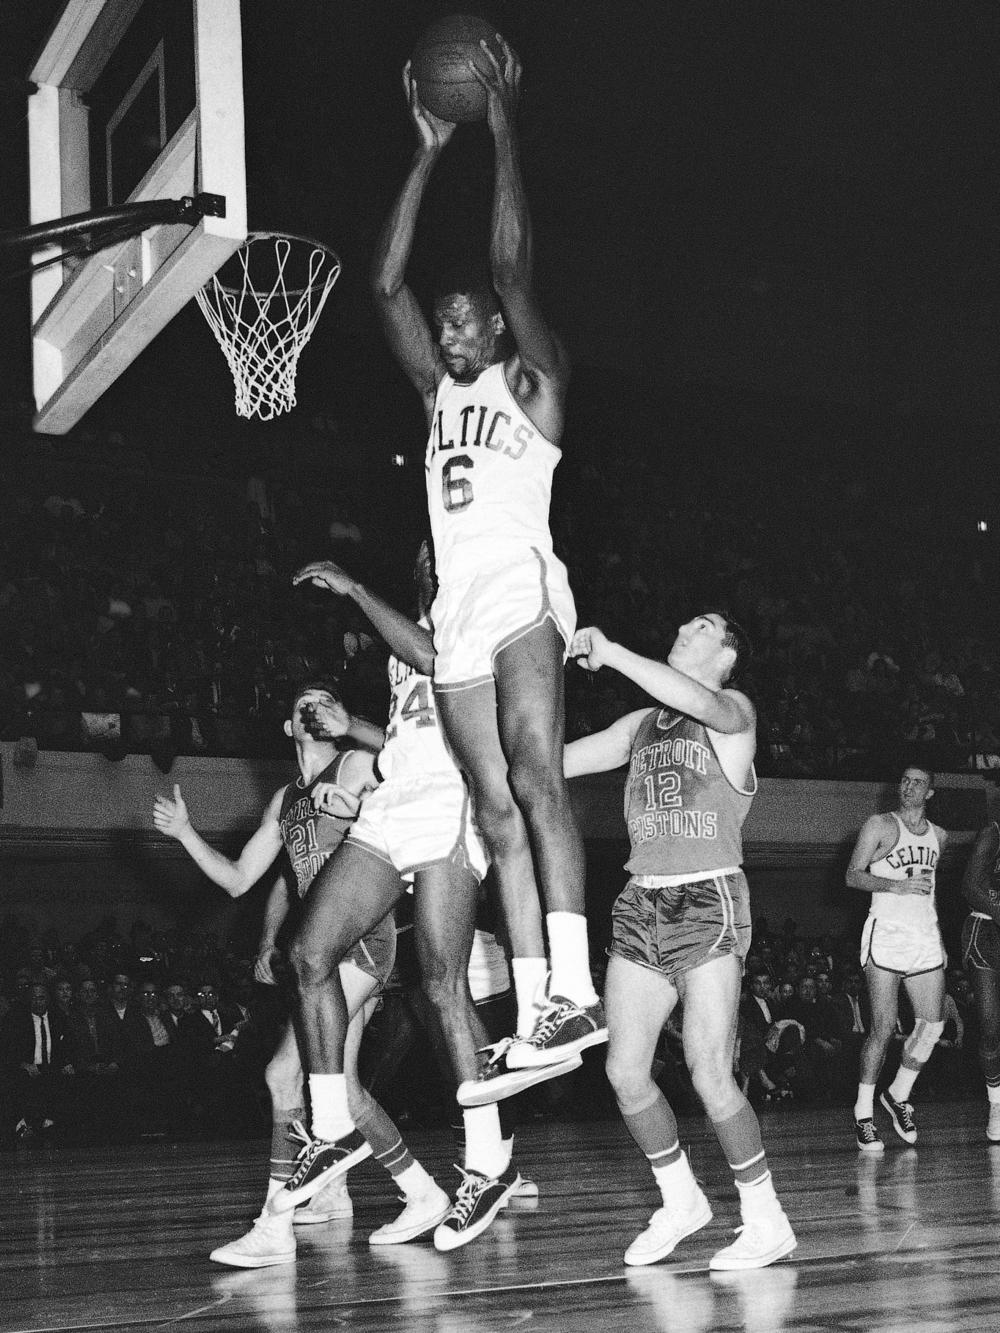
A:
(536, 782)
(920, 1043)
(499, 820)
(631, 1085)
(714, 1083)
(312, 963)
(443, 981)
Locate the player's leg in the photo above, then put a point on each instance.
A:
(271, 1241)
(425, 1202)
(350, 895)
(530, 685)
(711, 994)
(883, 1000)
(986, 993)
(639, 1000)
(926, 993)
(470, 721)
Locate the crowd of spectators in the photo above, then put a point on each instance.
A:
(165, 1033)
(110, 1039)
(153, 613)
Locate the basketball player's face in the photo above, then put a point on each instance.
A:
(318, 716)
(700, 649)
(914, 788)
(466, 335)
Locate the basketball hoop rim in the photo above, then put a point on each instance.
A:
(273, 235)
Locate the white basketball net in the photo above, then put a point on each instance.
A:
(263, 322)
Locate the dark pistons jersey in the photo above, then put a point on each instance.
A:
(993, 873)
(684, 816)
(310, 837)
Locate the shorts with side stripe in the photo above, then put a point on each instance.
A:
(374, 953)
(675, 928)
(477, 618)
(896, 947)
(981, 943)
(413, 823)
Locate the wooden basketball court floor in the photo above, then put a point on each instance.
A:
(118, 1239)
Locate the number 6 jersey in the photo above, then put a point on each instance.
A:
(489, 477)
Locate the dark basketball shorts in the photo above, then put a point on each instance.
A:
(981, 943)
(675, 928)
(375, 952)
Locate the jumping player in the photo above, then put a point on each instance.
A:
(894, 860)
(981, 957)
(681, 926)
(493, 381)
(311, 837)
(415, 827)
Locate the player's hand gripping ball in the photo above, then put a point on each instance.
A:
(440, 66)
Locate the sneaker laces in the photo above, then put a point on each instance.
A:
(299, 1134)
(467, 1196)
(496, 1052)
(548, 1020)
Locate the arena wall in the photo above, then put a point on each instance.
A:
(77, 841)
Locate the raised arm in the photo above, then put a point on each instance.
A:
(726, 711)
(407, 332)
(410, 642)
(543, 358)
(171, 817)
(976, 880)
(604, 750)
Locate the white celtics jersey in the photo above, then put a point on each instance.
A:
(489, 477)
(414, 742)
(912, 854)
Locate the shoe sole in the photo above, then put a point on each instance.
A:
(530, 1058)
(907, 1139)
(285, 1199)
(654, 1256)
(492, 1090)
(761, 1261)
(411, 1233)
(251, 1260)
(447, 1239)
(308, 1217)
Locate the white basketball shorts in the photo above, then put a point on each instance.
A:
(413, 823)
(896, 947)
(478, 617)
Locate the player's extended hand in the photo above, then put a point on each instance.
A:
(502, 84)
(589, 647)
(263, 966)
(329, 798)
(325, 574)
(432, 132)
(171, 816)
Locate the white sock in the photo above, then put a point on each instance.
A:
(993, 1093)
(529, 986)
(328, 1098)
(486, 1150)
(902, 1085)
(570, 957)
(676, 1181)
(414, 1181)
(758, 1199)
(864, 1107)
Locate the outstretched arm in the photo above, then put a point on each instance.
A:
(725, 711)
(543, 358)
(171, 817)
(403, 323)
(410, 642)
(604, 750)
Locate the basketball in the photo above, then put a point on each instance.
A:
(439, 64)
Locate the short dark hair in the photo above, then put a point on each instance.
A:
(326, 683)
(467, 280)
(738, 639)
(922, 768)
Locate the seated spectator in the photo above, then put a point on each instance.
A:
(35, 1065)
